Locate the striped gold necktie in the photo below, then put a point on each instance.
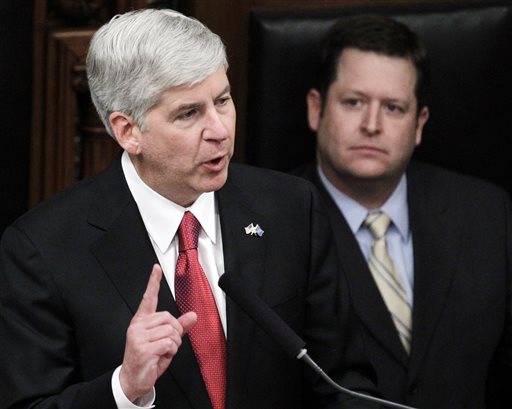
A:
(387, 278)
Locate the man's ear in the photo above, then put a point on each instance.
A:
(422, 120)
(314, 101)
(126, 132)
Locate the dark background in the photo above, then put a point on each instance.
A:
(15, 105)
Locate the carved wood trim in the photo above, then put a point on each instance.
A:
(68, 140)
(58, 136)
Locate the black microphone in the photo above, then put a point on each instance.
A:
(283, 334)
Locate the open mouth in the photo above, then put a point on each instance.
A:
(216, 164)
(215, 161)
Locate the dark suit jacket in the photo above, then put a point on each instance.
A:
(73, 272)
(462, 241)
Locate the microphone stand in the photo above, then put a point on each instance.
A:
(284, 335)
(303, 355)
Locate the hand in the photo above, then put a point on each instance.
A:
(152, 340)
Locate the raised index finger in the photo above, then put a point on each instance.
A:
(150, 298)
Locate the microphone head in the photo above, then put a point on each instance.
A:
(262, 315)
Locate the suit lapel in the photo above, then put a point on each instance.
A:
(366, 298)
(436, 238)
(244, 256)
(127, 256)
(436, 241)
(124, 250)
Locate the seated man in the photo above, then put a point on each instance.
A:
(427, 253)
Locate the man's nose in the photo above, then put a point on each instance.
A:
(215, 126)
(372, 120)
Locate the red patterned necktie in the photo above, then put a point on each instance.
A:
(193, 293)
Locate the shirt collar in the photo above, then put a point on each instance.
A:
(161, 216)
(395, 207)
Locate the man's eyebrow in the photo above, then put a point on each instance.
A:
(186, 107)
(397, 100)
(226, 90)
(196, 105)
(362, 94)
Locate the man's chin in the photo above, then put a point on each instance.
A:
(369, 173)
(215, 182)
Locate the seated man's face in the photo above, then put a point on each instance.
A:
(368, 127)
(188, 140)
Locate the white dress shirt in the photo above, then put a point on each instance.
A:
(162, 218)
(398, 236)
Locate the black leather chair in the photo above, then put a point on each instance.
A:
(470, 47)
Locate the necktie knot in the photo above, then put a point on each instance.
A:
(378, 224)
(188, 232)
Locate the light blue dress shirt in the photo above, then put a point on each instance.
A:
(398, 236)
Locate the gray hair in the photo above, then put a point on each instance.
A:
(138, 55)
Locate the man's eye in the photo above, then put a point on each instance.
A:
(352, 102)
(187, 114)
(223, 101)
(394, 108)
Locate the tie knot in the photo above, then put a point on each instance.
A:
(378, 224)
(188, 232)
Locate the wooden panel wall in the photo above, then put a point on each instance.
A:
(68, 140)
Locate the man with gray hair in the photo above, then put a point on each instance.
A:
(81, 323)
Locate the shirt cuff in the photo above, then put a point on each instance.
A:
(123, 402)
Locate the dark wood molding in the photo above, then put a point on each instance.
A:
(68, 140)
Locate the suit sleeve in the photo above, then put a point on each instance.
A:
(38, 364)
(332, 332)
